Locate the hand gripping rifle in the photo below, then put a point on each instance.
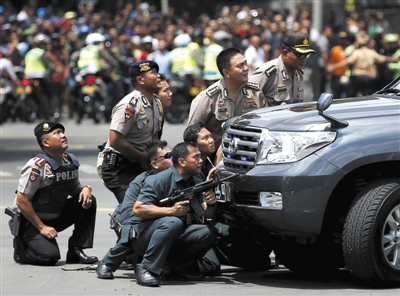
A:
(192, 192)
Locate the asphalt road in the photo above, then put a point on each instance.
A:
(17, 145)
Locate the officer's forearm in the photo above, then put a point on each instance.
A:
(146, 211)
(119, 143)
(24, 204)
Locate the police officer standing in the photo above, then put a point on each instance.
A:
(136, 122)
(228, 97)
(42, 196)
(281, 79)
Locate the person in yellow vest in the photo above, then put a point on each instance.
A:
(211, 73)
(180, 56)
(89, 61)
(196, 58)
(36, 67)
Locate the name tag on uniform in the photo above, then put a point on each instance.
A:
(222, 109)
(282, 88)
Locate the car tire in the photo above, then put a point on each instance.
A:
(371, 236)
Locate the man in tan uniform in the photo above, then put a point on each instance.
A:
(281, 79)
(136, 123)
(228, 97)
(364, 72)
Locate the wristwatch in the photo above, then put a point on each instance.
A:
(90, 188)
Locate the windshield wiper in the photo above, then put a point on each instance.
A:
(389, 90)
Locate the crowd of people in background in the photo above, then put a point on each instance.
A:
(141, 33)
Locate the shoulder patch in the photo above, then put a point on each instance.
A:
(40, 162)
(252, 85)
(270, 70)
(213, 91)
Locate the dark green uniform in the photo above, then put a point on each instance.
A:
(169, 237)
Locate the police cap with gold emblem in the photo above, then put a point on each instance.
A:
(46, 127)
(141, 67)
(297, 41)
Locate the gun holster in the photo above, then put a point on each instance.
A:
(112, 158)
(15, 220)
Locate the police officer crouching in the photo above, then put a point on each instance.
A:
(42, 197)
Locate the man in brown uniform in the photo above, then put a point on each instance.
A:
(136, 122)
(281, 79)
(228, 97)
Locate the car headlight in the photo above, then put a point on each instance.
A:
(284, 147)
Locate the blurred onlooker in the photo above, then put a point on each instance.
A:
(312, 74)
(163, 58)
(211, 73)
(393, 42)
(363, 75)
(339, 79)
(254, 54)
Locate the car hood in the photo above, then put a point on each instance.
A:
(304, 116)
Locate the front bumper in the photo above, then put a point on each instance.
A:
(306, 187)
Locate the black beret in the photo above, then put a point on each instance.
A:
(46, 127)
(140, 67)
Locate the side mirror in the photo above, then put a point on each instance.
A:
(324, 101)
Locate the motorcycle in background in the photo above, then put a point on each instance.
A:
(185, 89)
(91, 95)
(7, 99)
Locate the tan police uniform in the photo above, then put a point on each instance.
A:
(277, 86)
(136, 119)
(139, 122)
(215, 105)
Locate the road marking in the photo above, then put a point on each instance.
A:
(98, 209)
(5, 174)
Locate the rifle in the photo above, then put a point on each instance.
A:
(191, 192)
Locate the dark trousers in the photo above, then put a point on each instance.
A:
(117, 178)
(116, 255)
(168, 239)
(365, 85)
(337, 87)
(39, 250)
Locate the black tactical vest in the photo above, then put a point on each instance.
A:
(51, 199)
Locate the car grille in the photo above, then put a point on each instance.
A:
(239, 147)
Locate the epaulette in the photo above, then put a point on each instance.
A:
(134, 101)
(213, 91)
(252, 85)
(40, 162)
(271, 70)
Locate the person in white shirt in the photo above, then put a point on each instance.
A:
(7, 69)
(254, 54)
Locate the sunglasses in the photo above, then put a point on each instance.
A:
(300, 56)
(166, 156)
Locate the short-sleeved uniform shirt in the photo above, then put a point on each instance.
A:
(215, 105)
(277, 86)
(37, 174)
(136, 119)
